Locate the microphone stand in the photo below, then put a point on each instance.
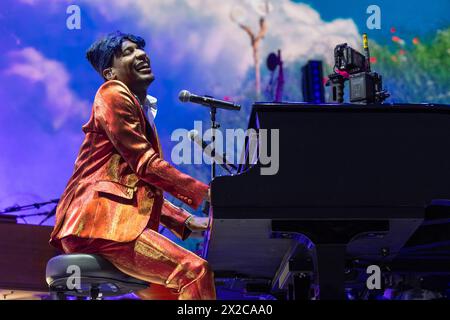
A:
(214, 126)
(48, 215)
(184, 97)
(206, 209)
(37, 205)
(28, 206)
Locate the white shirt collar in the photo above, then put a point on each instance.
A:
(150, 107)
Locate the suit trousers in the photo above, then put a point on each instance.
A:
(172, 271)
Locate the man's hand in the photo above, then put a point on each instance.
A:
(198, 223)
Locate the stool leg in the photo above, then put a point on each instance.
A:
(95, 293)
(57, 295)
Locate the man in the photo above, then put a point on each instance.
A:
(113, 203)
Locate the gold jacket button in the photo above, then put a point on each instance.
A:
(189, 201)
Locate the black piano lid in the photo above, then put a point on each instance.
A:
(409, 107)
(334, 156)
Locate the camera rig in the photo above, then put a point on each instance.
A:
(365, 86)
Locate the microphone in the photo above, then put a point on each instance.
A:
(186, 96)
(220, 159)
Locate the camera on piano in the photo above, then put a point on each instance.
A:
(366, 87)
(348, 59)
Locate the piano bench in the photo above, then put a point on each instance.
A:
(88, 275)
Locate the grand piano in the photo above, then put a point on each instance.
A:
(356, 186)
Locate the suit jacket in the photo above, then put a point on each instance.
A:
(116, 189)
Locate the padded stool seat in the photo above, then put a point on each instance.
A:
(96, 277)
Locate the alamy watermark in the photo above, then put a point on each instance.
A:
(74, 280)
(189, 148)
(73, 21)
(374, 20)
(373, 282)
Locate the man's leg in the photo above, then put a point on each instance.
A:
(156, 259)
(157, 292)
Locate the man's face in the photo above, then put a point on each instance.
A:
(132, 66)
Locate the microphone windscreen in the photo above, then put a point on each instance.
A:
(184, 96)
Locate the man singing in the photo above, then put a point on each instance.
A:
(113, 203)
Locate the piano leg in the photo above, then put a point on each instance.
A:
(301, 287)
(330, 238)
(331, 268)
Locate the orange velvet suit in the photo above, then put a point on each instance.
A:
(113, 203)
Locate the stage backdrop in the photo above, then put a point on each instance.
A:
(47, 85)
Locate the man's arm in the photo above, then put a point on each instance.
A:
(118, 116)
(174, 218)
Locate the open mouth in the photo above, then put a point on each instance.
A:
(143, 67)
